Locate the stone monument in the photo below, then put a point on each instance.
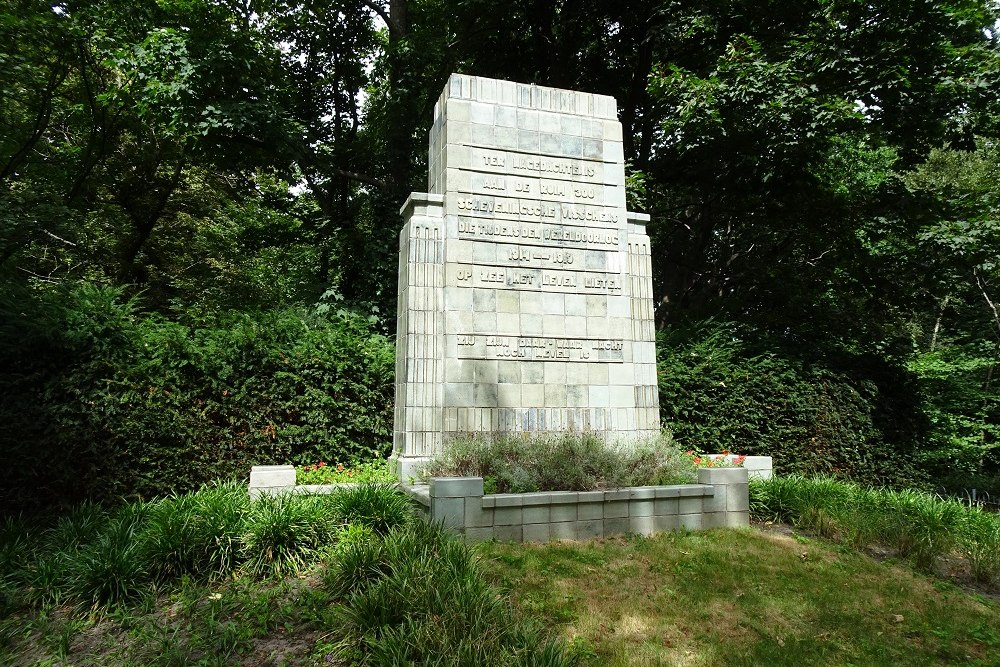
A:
(525, 299)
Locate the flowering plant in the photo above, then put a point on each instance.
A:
(725, 459)
(320, 473)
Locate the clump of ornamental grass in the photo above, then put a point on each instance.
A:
(418, 597)
(380, 507)
(111, 569)
(196, 533)
(283, 531)
(522, 463)
(919, 526)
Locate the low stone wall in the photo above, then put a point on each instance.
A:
(720, 498)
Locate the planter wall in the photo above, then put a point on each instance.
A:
(721, 498)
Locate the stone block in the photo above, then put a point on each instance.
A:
(512, 533)
(455, 487)
(535, 514)
(641, 507)
(450, 511)
(507, 516)
(475, 535)
(535, 532)
(690, 521)
(690, 505)
(738, 498)
(665, 506)
(475, 515)
(563, 512)
(642, 525)
(722, 476)
(666, 522)
(563, 530)
(616, 526)
(616, 509)
(590, 510)
(590, 529)
(717, 501)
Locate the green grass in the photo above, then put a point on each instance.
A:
(921, 527)
(211, 578)
(743, 598)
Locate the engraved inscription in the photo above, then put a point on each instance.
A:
(540, 348)
(541, 232)
(588, 282)
(516, 164)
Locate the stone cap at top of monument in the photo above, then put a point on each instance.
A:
(530, 96)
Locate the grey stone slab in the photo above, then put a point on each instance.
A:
(489, 502)
(450, 511)
(536, 514)
(507, 516)
(665, 506)
(738, 498)
(563, 530)
(665, 523)
(641, 507)
(690, 521)
(668, 492)
(591, 496)
(642, 525)
(536, 499)
(475, 515)
(455, 487)
(616, 526)
(564, 497)
(616, 509)
(690, 505)
(563, 512)
(589, 529)
(535, 532)
(722, 475)
(617, 494)
(717, 501)
(590, 510)
(508, 500)
(642, 492)
(512, 533)
(475, 535)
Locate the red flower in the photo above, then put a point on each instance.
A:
(340, 467)
(697, 460)
(320, 464)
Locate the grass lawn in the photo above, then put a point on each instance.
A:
(749, 597)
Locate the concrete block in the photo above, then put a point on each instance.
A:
(641, 525)
(690, 505)
(642, 492)
(508, 533)
(665, 506)
(475, 515)
(563, 530)
(563, 512)
(641, 507)
(617, 526)
(665, 523)
(507, 516)
(535, 532)
(617, 494)
(455, 487)
(717, 501)
(507, 500)
(450, 511)
(722, 475)
(668, 492)
(590, 529)
(532, 514)
(738, 498)
(272, 476)
(616, 509)
(474, 535)
(690, 521)
(587, 511)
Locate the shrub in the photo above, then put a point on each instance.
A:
(518, 463)
(815, 411)
(103, 401)
(365, 472)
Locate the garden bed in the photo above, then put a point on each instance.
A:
(720, 498)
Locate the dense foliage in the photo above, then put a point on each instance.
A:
(104, 401)
(822, 173)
